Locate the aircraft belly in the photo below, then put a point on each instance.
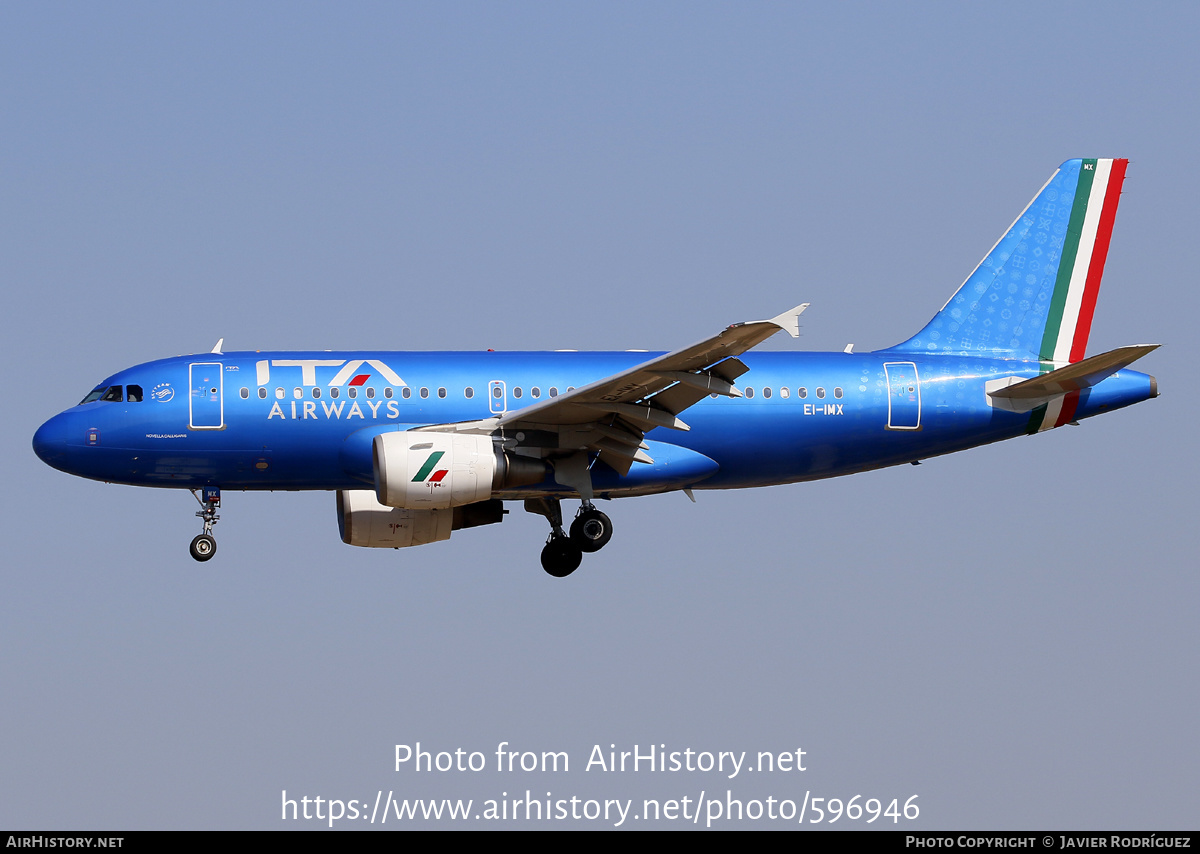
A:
(787, 445)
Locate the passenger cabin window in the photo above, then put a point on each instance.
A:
(262, 393)
(749, 392)
(352, 391)
(767, 392)
(133, 393)
(516, 391)
(802, 392)
(837, 392)
(535, 391)
(387, 392)
(783, 392)
(406, 392)
(441, 391)
(821, 393)
(553, 391)
(468, 392)
(371, 392)
(245, 394)
(424, 392)
(316, 392)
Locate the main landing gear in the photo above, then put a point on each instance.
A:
(563, 552)
(204, 546)
(591, 529)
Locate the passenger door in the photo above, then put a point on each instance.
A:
(206, 406)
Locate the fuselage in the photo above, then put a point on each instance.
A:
(418, 445)
(306, 420)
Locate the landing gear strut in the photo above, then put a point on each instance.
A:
(204, 546)
(563, 553)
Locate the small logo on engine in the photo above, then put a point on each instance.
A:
(424, 471)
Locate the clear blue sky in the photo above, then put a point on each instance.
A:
(1007, 633)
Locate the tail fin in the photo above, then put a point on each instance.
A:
(1033, 294)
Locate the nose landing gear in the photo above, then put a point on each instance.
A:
(204, 546)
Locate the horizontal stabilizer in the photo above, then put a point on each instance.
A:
(1076, 377)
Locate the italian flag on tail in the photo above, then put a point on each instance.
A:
(1056, 413)
(1085, 248)
(1084, 251)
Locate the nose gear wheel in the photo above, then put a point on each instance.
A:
(203, 547)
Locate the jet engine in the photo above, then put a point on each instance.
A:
(436, 471)
(363, 521)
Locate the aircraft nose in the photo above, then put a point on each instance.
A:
(50, 441)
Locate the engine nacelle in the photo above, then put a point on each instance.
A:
(363, 521)
(434, 471)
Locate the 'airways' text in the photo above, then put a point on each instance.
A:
(328, 409)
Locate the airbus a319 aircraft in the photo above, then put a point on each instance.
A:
(418, 445)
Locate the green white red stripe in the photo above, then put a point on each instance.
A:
(1084, 251)
(1055, 413)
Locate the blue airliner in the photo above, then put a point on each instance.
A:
(418, 445)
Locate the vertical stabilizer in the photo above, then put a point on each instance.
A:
(1034, 293)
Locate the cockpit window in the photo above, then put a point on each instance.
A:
(133, 393)
(110, 392)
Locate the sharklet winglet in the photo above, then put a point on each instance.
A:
(789, 321)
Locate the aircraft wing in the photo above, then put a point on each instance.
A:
(612, 415)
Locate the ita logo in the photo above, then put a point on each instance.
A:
(435, 479)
